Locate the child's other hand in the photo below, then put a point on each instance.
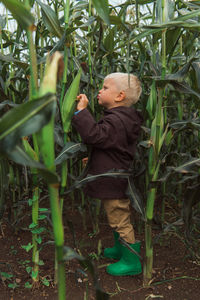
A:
(82, 101)
(84, 161)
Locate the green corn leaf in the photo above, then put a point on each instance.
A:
(46, 144)
(112, 173)
(184, 88)
(181, 87)
(190, 170)
(159, 124)
(135, 197)
(168, 10)
(2, 22)
(173, 35)
(58, 46)
(144, 33)
(50, 19)
(109, 41)
(10, 59)
(29, 150)
(153, 131)
(86, 263)
(25, 119)
(18, 155)
(141, 2)
(169, 137)
(155, 175)
(162, 138)
(184, 125)
(189, 15)
(196, 67)
(151, 103)
(7, 102)
(171, 24)
(188, 166)
(19, 12)
(102, 8)
(67, 108)
(150, 203)
(70, 150)
(180, 74)
(115, 20)
(194, 3)
(180, 22)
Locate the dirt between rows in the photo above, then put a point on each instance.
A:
(176, 276)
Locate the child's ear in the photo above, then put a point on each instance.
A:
(121, 96)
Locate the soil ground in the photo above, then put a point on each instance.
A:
(176, 276)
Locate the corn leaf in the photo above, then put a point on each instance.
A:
(109, 41)
(10, 59)
(196, 66)
(141, 2)
(29, 150)
(112, 173)
(67, 108)
(86, 263)
(188, 166)
(143, 34)
(189, 15)
(195, 25)
(102, 9)
(181, 73)
(2, 22)
(50, 19)
(153, 131)
(188, 124)
(152, 100)
(70, 150)
(18, 155)
(135, 197)
(25, 119)
(173, 36)
(19, 12)
(181, 87)
(180, 21)
(169, 137)
(7, 102)
(162, 138)
(168, 10)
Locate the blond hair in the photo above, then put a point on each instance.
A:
(128, 83)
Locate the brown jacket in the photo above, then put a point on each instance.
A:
(113, 140)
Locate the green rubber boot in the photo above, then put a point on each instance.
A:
(114, 252)
(129, 264)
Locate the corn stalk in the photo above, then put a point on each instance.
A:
(46, 144)
(157, 138)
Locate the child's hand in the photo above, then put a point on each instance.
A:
(82, 101)
(84, 161)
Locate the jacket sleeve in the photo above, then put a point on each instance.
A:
(104, 134)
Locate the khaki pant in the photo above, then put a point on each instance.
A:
(118, 214)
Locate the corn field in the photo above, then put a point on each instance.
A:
(53, 50)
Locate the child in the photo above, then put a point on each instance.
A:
(113, 140)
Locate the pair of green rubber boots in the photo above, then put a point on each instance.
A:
(128, 264)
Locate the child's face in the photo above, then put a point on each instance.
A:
(108, 94)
